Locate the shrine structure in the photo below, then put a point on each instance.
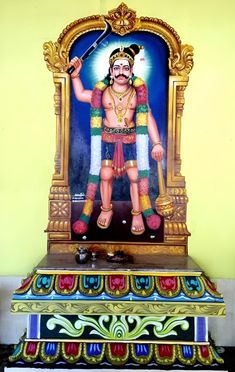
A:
(139, 301)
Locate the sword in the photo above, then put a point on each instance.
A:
(105, 33)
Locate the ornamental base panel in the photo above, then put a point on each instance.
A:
(113, 328)
(150, 314)
(110, 355)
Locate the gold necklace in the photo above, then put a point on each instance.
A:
(120, 95)
(118, 109)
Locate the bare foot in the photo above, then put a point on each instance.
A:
(137, 226)
(104, 219)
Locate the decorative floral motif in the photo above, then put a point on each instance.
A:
(193, 286)
(172, 308)
(205, 354)
(91, 285)
(182, 62)
(187, 354)
(168, 286)
(211, 288)
(112, 327)
(66, 284)
(142, 353)
(43, 284)
(165, 354)
(93, 353)
(26, 283)
(50, 351)
(118, 285)
(116, 353)
(123, 19)
(30, 351)
(59, 209)
(31, 348)
(71, 351)
(52, 55)
(142, 285)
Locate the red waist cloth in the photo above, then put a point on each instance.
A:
(124, 138)
(119, 168)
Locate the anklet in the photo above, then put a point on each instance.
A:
(135, 213)
(106, 209)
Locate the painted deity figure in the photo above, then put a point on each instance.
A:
(118, 143)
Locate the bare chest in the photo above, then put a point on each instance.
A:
(119, 107)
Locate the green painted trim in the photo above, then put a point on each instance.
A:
(142, 129)
(93, 178)
(84, 218)
(96, 131)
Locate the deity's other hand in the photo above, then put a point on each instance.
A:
(157, 152)
(77, 64)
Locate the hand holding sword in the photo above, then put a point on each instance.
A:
(75, 64)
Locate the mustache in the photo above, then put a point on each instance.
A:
(123, 75)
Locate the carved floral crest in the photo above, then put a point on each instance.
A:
(123, 20)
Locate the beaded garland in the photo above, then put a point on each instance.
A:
(142, 143)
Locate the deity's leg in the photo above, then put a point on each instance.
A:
(137, 226)
(105, 217)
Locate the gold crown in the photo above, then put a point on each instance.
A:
(121, 55)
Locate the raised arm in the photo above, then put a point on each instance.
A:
(157, 149)
(82, 94)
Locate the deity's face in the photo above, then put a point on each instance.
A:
(121, 71)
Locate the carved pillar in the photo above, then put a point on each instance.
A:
(59, 199)
(179, 112)
(175, 227)
(180, 64)
(57, 105)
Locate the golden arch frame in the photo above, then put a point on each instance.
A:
(123, 21)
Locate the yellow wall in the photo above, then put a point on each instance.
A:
(27, 124)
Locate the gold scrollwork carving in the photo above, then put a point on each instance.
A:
(58, 226)
(59, 189)
(55, 60)
(177, 191)
(171, 248)
(180, 200)
(176, 228)
(59, 193)
(59, 209)
(109, 307)
(57, 99)
(180, 99)
(123, 19)
(179, 213)
(58, 102)
(182, 62)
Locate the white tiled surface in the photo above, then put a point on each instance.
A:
(222, 330)
(12, 326)
(102, 370)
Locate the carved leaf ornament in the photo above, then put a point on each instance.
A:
(118, 328)
(123, 20)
